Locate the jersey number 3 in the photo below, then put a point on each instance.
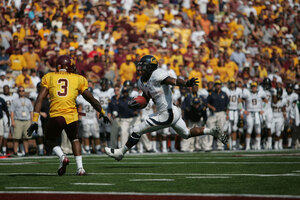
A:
(64, 83)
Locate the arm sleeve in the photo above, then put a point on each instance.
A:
(83, 84)
(160, 75)
(44, 82)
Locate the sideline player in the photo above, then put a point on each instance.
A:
(63, 87)
(155, 84)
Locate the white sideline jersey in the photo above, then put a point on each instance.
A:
(233, 96)
(291, 100)
(8, 99)
(104, 97)
(90, 113)
(268, 95)
(277, 109)
(254, 101)
(160, 94)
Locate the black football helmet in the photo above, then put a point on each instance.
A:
(65, 62)
(146, 66)
(279, 92)
(267, 84)
(104, 84)
(289, 88)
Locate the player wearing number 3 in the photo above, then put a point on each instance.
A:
(155, 84)
(63, 87)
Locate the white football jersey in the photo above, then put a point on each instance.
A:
(277, 109)
(8, 98)
(254, 101)
(233, 96)
(291, 100)
(160, 94)
(268, 95)
(104, 97)
(90, 113)
(148, 110)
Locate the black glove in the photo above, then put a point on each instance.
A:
(192, 82)
(132, 104)
(105, 119)
(33, 127)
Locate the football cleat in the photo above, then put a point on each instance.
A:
(80, 172)
(64, 161)
(219, 134)
(114, 153)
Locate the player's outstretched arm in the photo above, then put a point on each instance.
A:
(36, 110)
(87, 95)
(180, 82)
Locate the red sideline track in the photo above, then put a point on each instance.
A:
(57, 196)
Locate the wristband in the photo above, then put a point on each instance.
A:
(35, 117)
(102, 112)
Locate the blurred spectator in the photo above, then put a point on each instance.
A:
(34, 78)
(21, 112)
(32, 59)
(238, 57)
(127, 70)
(4, 59)
(23, 78)
(17, 61)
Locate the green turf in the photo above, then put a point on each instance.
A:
(219, 172)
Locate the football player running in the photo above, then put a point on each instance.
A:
(279, 116)
(253, 110)
(63, 86)
(156, 85)
(235, 105)
(268, 114)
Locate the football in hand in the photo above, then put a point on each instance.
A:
(141, 101)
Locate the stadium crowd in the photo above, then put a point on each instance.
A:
(252, 45)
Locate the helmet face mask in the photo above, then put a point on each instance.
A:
(146, 66)
(104, 84)
(289, 88)
(267, 85)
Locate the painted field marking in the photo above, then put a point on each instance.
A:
(153, 179)
(159, 174)
(179, 163)
(19, 163)
(155, 194)
(206, 177)
(101, 184)
(27, 188)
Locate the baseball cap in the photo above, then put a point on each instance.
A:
(2, 73)
(232, 80)
(72, 49)
(196, 100)
(56, 49)
(128, 57)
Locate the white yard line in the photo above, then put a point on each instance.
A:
(206, 177)
(28, 188)
(160, 174)
(150, 180)
(19, 163)
(154, 194)
(100, 184)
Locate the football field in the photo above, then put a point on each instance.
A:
(214, 175)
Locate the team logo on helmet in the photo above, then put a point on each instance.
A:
(154, 61)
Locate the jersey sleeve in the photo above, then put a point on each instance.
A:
(83, 84)
(160, 75)
(45, 81)
(245, 94)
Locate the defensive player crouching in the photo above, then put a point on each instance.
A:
(155, 84)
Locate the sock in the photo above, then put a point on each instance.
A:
(78, 161)
(269, 142)
(247, 143)
(22, 148)
(154, 145)
(141, 148)
(124, 149)
(172, 144)
(41, 148)
(98, 147)
(289, 142)
(87, 148)
(133, 140)
(57, 150)
(207, 131)
(164, 145)
(280, 143)
(4, 149)
(276, 145)
(258, 142)
(234, 144)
